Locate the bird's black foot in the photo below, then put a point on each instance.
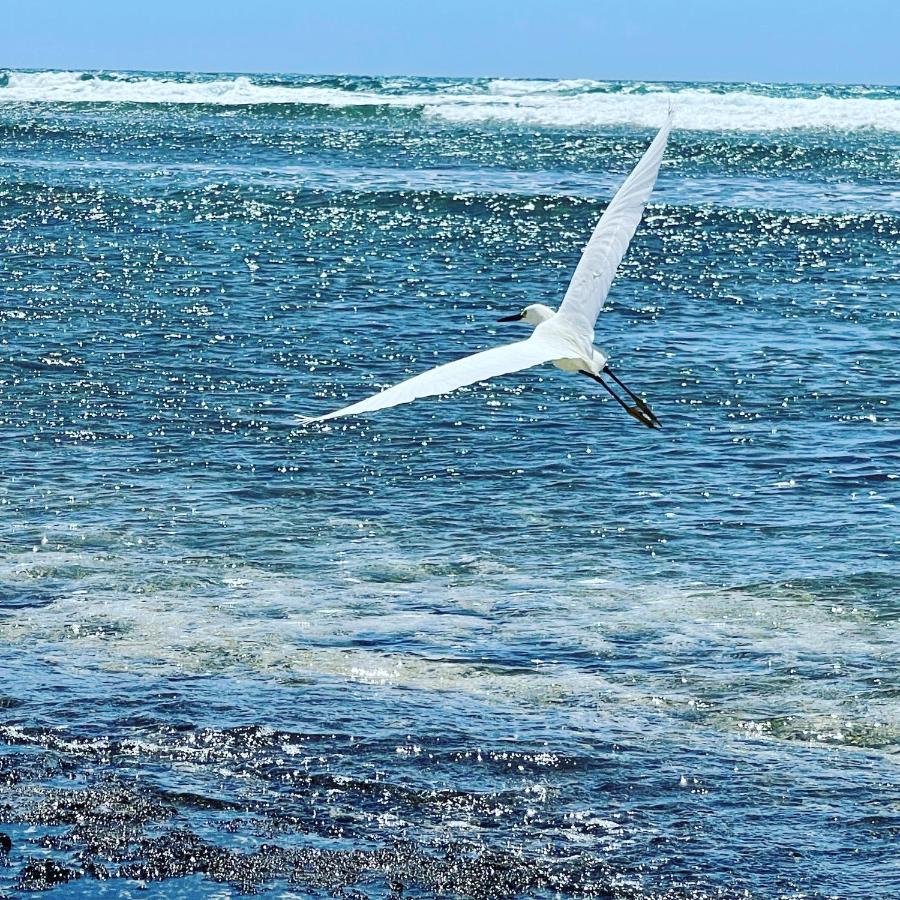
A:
(644, 415)
(642, 412)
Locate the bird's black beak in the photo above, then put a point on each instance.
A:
(513, 318)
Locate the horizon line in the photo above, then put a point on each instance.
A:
(495, 77)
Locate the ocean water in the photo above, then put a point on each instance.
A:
(501, 643)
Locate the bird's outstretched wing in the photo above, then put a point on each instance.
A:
(441, 380)
(590, 284)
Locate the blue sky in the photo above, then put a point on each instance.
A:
(727, 40)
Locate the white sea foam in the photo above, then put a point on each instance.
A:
(696, 109)
(570, 103)
(77, 87)
(386, 618)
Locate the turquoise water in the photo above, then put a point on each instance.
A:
(505, 642)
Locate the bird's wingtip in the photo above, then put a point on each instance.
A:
(307, 420)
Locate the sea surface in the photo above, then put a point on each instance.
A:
(501, 643)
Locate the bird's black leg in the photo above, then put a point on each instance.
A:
(611, 392)
(636, 411)
(641, 403)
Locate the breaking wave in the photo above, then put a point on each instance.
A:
(568, 103)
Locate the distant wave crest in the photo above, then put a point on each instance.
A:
(81, 87)
(571, 103)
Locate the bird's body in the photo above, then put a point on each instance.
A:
(564, 337)
(558, 331)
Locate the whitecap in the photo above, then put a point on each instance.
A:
(562, 104)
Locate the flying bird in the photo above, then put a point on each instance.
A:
(564, 337)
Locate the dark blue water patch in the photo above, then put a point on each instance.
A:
(15, 599)
(391, 770)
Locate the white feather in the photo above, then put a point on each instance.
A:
(597, 267)
(468, 370)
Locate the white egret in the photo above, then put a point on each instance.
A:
(564, 337)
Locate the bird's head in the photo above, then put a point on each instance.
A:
(533, 315)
